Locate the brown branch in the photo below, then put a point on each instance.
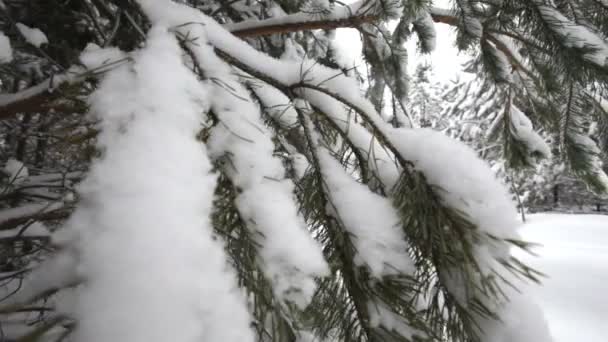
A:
(325, 24)
(41, 102)
(444, 18)
(40, 98)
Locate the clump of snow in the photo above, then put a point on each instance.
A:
(575, 35)
(32, 35)
(381, 315)
(466, 182)
(16, 171)
(370, 218)
(290, 257)
(300, 164)
(521, 319)
(596, 164)
(341, 52)
(6, 51)
(378, 159)
(502, 64)
(276, 103)
(153, 269)
(521, 128)
(51, 274)
(94, 56)
(469, 186)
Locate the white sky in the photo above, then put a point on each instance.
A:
(446, 60)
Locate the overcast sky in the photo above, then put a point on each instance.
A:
(446, 60)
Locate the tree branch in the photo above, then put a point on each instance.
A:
(273, 28)
(443, 16)
(38, 98)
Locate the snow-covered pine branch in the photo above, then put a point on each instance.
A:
(240, 180)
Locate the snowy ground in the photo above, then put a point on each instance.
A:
(575, 257)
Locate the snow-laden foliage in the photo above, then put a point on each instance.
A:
(32, 35)
(377, 238)
(220, 170)
(6, 51)
(125, 226)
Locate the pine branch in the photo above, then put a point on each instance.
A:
(444, 16)
(306, 25)
(347, 269)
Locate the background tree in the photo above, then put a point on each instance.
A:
(425, 96)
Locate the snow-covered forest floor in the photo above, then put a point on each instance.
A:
(574, 256)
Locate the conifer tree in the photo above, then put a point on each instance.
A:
(211, 170)
(424, 97)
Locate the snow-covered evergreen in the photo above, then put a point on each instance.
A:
(222, 170)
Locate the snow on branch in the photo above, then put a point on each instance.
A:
(370, 218)
(153, 269)
(266, 199)
(573, 35)
(522, 130)
(338, 16)
(6, 50)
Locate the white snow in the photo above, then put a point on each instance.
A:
(596, 163)
(289, 72)
(94, 57)
(574, 256)
(16, 171)
(32, 35)
(504, 67)
(335, 13)
(521, 320)
(6, 51)
(467, 183)
(381, 315)
(370, 218)
(290, 257)
(276, 103)
(51, 274)
(153, 269)
(521, 128)
(300, 164)
(575, 35)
